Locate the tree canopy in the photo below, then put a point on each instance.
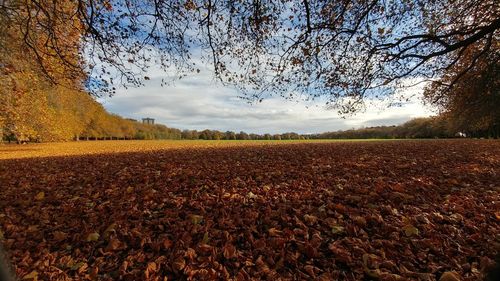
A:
(345, 50)
(472, 103)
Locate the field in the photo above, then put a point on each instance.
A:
(378, 210)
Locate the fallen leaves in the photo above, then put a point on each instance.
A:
(196, 219)
(229, 251)
(80, 267)
(410, 230)
(340, 253)
(32, 276)
(179, 264)
(336, 229)
(92, 237)
(450, 276)
(409, 210)
(114, 244)
(59, 235)
(309, 219)
(150, 269)
(273, 232)
(40, 196)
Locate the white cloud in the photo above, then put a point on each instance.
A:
(197, 102)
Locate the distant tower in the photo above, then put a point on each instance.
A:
(149, 121)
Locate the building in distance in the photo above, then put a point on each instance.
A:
(149, 121)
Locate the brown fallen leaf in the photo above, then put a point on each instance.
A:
(94, 271)
(179, 264)
(251, 195)
(310, 219)
(310, 270)
(273, 232)
(410, 230)
(123, 267)
(450, 276)
(205, 239)
(167, 243)
(59, 235)
(340, 253)
(337, 229)
(113, 244)
(32, 276)
(150, 268)
(110, 229)
(360, 221)
(93, 237)
(261, 266)
(196, 219)
(190, 254)
(40, 196)
(229, 251)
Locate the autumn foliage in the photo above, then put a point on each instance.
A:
(394, 210)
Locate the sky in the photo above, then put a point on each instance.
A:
(197, 102)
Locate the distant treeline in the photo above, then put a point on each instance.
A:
(430, 127)
(229, 135)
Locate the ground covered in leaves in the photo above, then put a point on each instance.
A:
(393, 210)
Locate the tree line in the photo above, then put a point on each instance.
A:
(38, 107)
(418, 128)
(55, 54)
(430, 127)
(230, 135)
(36, 110)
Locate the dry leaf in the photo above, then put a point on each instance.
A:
(114, 244)
(179, 264)
(32, 276)
(410, 230)
(93, 237)
(229, 251)
(310, 219)
(273, 232)
(196, 219)
(386, 196)
(40, 196)
(59, 235)
(450, 276)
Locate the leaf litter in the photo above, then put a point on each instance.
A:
(401, 210)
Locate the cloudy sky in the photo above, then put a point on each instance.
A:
(197, 102)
